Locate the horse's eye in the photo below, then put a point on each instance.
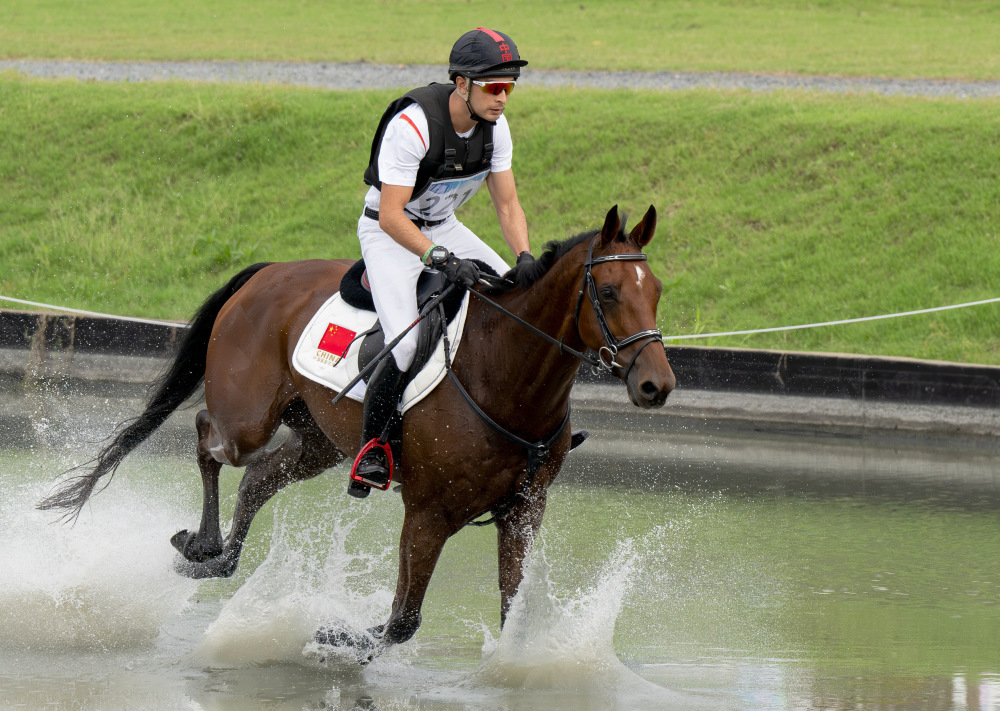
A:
(608, 292)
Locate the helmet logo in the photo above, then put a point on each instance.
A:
(504, 48)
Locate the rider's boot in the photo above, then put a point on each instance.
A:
(381, 398)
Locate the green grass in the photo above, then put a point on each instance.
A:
(775, 209)
(905, 38)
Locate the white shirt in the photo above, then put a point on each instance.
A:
(404, 145)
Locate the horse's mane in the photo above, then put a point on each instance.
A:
(528, 273)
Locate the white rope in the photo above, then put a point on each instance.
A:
(94, 313)
(833, 323)
(665, 338)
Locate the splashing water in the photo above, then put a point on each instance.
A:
(309, 578)
(105, 583)
(567, 644)
(548, 641)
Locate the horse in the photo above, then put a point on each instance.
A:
(488, 440)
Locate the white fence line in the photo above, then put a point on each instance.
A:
(833, 323)
(94, 313)
(665, 338)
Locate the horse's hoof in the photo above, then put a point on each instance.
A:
(191, 547)
(364, 646)
(358, 490)
(222, 566)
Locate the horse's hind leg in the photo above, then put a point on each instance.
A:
(304, 454)
(206, 542)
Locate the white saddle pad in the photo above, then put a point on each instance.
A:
(327, 352)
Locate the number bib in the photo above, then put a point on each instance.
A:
(444, 196)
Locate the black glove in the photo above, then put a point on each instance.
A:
(460, 271)
(524, 256)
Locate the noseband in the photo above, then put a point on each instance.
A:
(612, 345)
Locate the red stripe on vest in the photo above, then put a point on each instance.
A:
(410, 121)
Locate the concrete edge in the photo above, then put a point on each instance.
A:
(729, 387)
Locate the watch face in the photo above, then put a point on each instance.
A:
(439, 254)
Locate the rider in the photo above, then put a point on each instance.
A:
(433, 149)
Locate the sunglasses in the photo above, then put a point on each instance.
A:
(495, 87)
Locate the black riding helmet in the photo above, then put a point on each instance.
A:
(484, 53)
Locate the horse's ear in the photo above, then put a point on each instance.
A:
(612, 226)
(643, 232)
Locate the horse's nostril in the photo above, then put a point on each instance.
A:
(649, 389)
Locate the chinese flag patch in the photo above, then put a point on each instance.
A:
(336, 340)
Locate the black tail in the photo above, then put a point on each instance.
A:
(175, 386)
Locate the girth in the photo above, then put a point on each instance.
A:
(537, 453)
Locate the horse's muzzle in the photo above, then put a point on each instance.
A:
(649, 384)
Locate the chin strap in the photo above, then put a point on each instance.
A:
(472, 114)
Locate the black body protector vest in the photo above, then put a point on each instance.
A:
(454, 167)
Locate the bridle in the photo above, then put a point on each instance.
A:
(612, 344)
(537, 453)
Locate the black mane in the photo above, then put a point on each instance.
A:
(526, 274)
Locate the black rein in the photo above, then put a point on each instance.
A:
(538, 453)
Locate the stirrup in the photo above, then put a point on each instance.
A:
(358, 477)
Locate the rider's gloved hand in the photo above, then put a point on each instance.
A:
(455, 269)
(523, 257)
(460, 271)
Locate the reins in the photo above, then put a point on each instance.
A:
(538, 453)
(589, 287)
(592, 360)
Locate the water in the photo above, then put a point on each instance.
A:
(658, 593)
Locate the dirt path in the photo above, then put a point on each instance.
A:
(359, 75)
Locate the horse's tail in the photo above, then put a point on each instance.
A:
(176, 385)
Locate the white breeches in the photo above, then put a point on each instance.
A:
(393, 271)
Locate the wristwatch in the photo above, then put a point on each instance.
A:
(436, 256)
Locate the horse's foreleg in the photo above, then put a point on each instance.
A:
(420, 546)
(515, 535)
(206, 542)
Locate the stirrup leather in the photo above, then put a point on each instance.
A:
(375, 443)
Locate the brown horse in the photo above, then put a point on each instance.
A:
(463, 455)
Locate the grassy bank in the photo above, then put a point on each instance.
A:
(906, 38)
(776, 209)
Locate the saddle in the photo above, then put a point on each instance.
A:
(356, 291)
(344, 335)
(329, 350)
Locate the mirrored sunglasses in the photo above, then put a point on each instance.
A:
(495, 87)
